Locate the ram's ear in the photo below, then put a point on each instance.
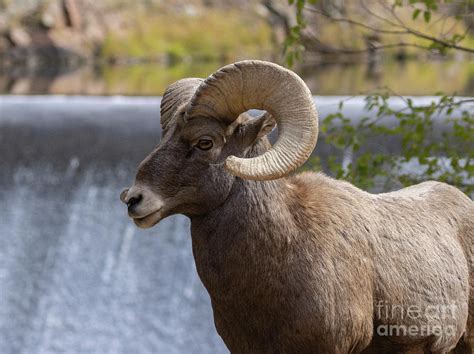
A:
(259, 127)
(267, 124)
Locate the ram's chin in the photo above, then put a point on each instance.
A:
(149, 220)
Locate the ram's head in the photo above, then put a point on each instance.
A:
(208, 140)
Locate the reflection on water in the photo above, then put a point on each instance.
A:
(407, 78)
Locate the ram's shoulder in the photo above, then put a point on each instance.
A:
(320, 189)
(319, 180)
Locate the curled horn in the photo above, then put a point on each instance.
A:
(253, 84)
(176, 95)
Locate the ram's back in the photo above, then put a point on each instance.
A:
(444, 208)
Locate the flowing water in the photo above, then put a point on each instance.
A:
(76, 275)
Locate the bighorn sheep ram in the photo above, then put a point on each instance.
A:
(305, 263)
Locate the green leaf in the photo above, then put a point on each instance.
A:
(415, 14)
(427, 16)
(290, 59)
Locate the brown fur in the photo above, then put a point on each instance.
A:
(306, 264)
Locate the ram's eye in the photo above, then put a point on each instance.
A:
(204, 144)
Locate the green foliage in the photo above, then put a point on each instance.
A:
(436, 140)
(292, 46)
(211, 35)
(429, 5)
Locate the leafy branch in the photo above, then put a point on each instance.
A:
(386, 22)
(400, 29)
(435, 141)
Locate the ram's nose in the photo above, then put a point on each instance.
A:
(123, 195)
(132, 198)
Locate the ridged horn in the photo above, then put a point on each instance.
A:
(253, 84)
(175, 96)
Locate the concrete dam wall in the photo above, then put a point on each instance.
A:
(76, 275)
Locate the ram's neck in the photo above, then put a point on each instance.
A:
(253, 208)
(249, 210)
(228, 242)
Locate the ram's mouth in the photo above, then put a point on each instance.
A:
(149, 220)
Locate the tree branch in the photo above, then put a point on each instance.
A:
(404, 30)
(354, 22)
(426, 36)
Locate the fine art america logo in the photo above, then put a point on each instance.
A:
(415, 320)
